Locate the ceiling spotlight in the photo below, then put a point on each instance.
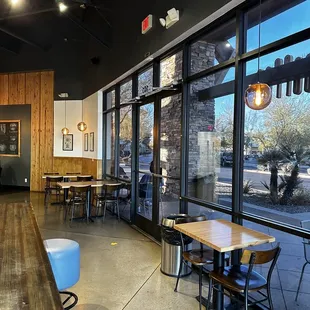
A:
(62, 7)
(227, 45)
(14, 2)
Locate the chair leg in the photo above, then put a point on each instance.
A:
(104, 210)
(179, 274)
(117, 206)
(269, 297)
(300, 280)
(246, 307)
(72, 213)
(210, 292)
(200, 287)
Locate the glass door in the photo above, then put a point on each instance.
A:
(158, 161)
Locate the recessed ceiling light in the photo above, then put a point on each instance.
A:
(62, 7)
(15, 2)
(227, 44)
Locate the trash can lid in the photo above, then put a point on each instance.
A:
(169, 221)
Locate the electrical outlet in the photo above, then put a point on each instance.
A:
(26, 180)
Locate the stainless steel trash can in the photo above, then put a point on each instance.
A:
(171, 249)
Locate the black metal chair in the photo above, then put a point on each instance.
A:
(79, 195)
(306, 243)
(50, 187)
(109, 196)
(242, 279)
(84, 178)
(198, 257)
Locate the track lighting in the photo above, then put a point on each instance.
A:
(15, 2)
(61, 5)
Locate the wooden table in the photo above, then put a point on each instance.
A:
(94, 184)
(222, 236)
(26, 277)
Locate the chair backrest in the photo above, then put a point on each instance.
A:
(51, 173)
(80, 189)
(53, 179)
(191, 219)
(306, 224)
(113, 189)
(84, 178)
(73, 173)
(252, 258)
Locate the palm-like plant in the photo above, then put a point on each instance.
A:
(271, 159)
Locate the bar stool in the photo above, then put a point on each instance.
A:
(64, 256)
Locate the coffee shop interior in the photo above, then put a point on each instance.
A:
(154, 154)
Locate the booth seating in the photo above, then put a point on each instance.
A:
(64, 256)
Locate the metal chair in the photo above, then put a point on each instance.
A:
(242, 279)
(78, 199)
(306, 243)
(110, 195)
(198, 257)
(50, 186)
(84, 178)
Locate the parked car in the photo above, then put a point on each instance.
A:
(226, 159)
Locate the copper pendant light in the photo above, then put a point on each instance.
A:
(81, 126)
(65, 130)
(258, 96)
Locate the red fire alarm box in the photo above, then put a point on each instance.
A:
(147, 24)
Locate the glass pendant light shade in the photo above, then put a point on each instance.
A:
(81, 126)
(65, 131)
(258, 96)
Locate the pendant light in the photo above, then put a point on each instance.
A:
(258, 96)
(81, 125)
(65, 130)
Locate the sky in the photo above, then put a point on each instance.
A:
(278, 27)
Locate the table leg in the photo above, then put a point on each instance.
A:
(218, 297)
(89, 206)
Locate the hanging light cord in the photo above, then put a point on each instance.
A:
(259, 38)
(66, 113)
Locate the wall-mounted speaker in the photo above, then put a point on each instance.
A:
(95, 60)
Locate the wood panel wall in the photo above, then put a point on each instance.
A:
(36, 89)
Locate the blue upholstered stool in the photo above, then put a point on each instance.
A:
(64, 256)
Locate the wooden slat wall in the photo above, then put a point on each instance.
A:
(90, 166)
(36, 89)
(4, 89)
(64, 165)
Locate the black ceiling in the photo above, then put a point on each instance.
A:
(34, 35)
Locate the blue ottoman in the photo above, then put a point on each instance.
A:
(64, 256)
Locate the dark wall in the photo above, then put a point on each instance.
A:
(130, 46)
(16, 169)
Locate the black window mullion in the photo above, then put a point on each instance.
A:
(117, 130)
(104, 133)
(134, 151)
(184, 130)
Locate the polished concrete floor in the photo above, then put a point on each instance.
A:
(120, 267)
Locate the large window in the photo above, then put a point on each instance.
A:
(110, 143)
(280, 18)
(145, 82)
(213, 48)
(126, 92)
(125, 141)
(210, 158)
(171, 69)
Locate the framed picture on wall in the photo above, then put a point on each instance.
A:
(92, 142)
(67, 142)
(85, 141)
(10, 138)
